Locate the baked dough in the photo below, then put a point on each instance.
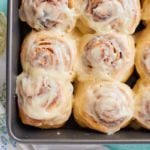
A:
(43, 102)
(46, 53)
(105, 57)
(142, 60)
(57, 15)
(142, 109)
(103, 106)
(146, 10)
(106, 15)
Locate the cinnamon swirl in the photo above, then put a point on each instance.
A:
(103, 106)
(44, 52)
(58, 15)
(105, 15)
(106, 57)
(43, 102)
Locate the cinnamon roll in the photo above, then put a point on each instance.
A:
(103, 106)
(58, 15)
(106, 57)
(43, 102)
(142, 111)
(142, 60)
(105, 15)
(44, 52)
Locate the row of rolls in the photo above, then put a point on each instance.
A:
(97, 15)
(79, 56)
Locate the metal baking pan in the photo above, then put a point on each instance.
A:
(71, 133)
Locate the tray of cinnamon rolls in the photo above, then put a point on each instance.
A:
(78, 71)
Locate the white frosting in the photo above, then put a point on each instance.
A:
(39, 15)
(144, 106)
(119, 15)
(109, 56)
(49, 55)
(42, 98)
(108, 102)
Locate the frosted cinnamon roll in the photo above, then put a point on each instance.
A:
(142, 60)
(106, 57)
(58, 15)
(142, 111)
(44, 52)
(103, 106)
(43, 102)
(105, 15)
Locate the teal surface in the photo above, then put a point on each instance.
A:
(3, 7)
(129, 146)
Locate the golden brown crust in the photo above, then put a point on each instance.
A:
(142, 58)
(142, 107)
(145, 10)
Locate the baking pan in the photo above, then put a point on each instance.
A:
(71, 133)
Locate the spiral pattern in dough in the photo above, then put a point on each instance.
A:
(104, 106)
(55, 15)
(105, 15)
(43, 102)
(106, 56)
(42, 52)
